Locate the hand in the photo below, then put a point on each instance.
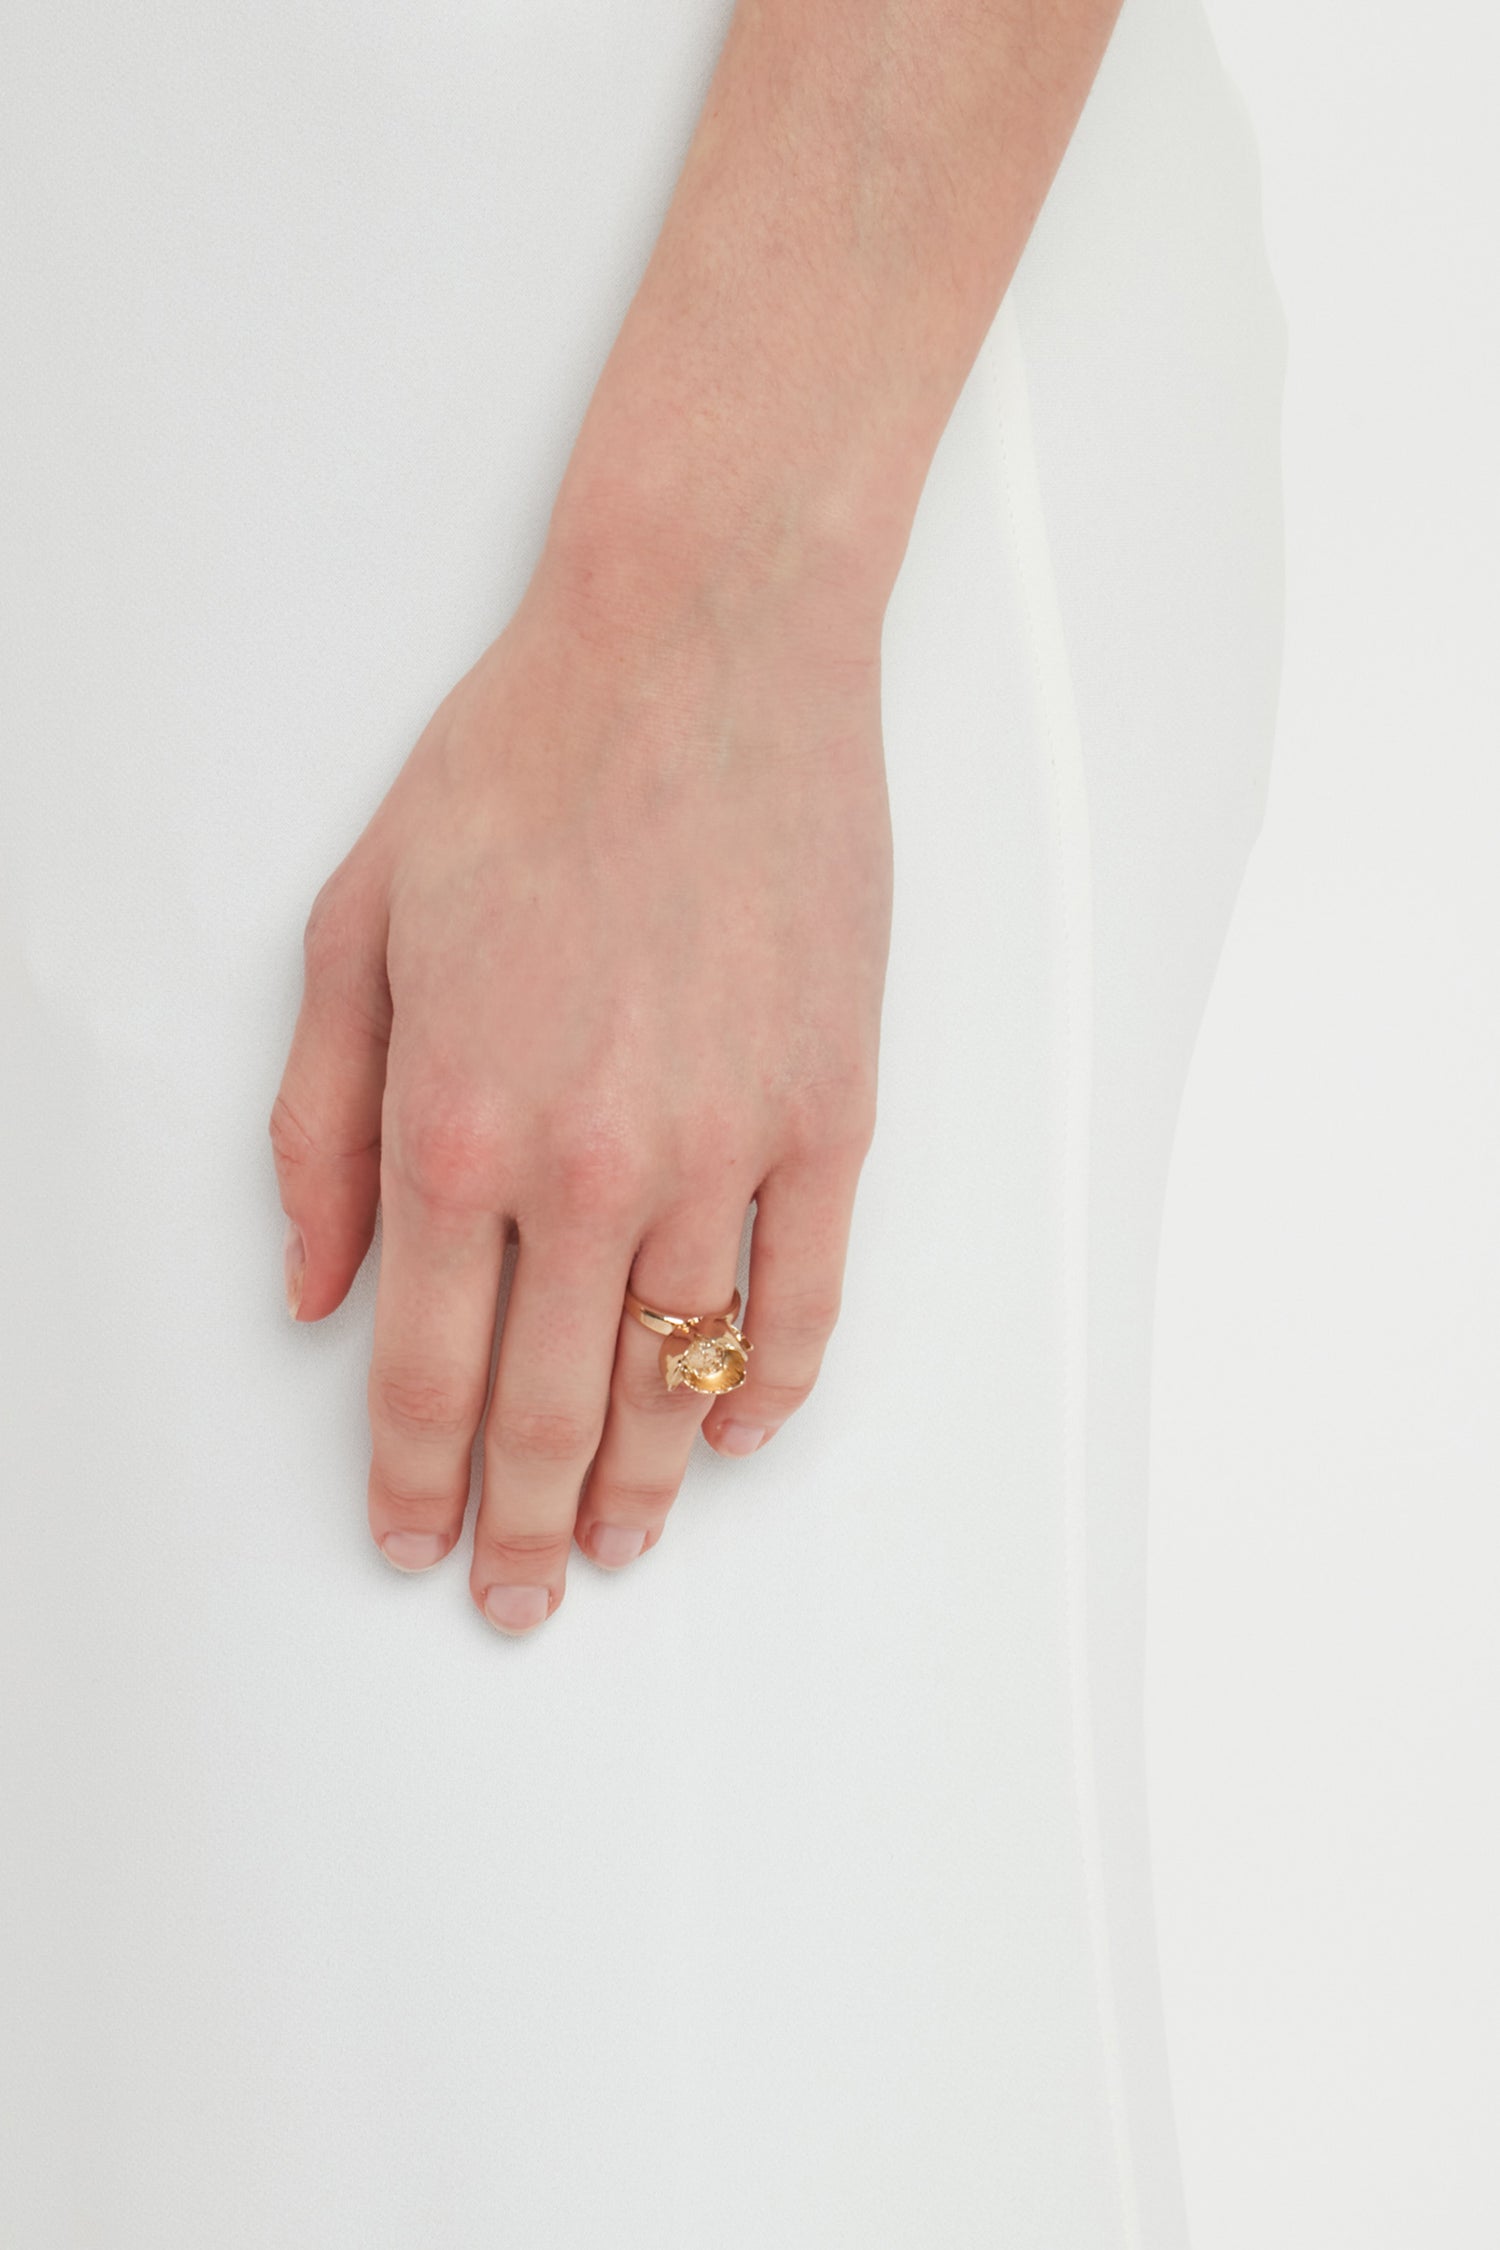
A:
(604, 968)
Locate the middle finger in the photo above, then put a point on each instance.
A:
(546, 1412)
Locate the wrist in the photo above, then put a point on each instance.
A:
(658, 512)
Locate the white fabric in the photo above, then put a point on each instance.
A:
(790, 1890)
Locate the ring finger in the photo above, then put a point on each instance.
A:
(684, 1266)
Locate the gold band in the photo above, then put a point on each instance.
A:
(703, 1350)
(667, 1323)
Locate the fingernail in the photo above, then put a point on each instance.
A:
(615, 1543)
(295, 1260)
(515, 1609)
(740, 1437)
(413, 1550)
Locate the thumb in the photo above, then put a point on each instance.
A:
(325, 1122)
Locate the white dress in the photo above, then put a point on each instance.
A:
(791, 1891)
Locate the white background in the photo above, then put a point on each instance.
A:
(1324, 1693)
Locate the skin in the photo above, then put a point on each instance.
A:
(605, 967)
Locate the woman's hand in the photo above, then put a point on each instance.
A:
(607, 963)
(604, 968)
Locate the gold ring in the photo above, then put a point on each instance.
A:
(704, 1350)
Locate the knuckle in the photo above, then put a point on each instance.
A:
(708, 1142)
(542, 1437)
(300, 1142)
(415, 1503)
(291, 1142)
(520, 1551)
(832, 1125)
(633, 1499)
(859, 1115)
(448, 1152)
(780, 1399)
(431, 1408)
(333, 929)
(855, 1143)
(323, 933)
(596, 1172)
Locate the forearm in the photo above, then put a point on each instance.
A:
(855, 199)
